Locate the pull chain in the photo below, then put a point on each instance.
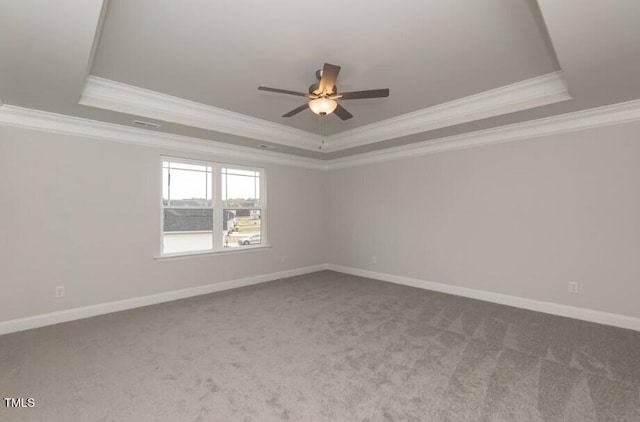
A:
(320, 130)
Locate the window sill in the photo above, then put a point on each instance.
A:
(200, 254)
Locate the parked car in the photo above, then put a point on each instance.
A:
(249, 240)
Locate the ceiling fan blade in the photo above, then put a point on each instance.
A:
(371, 93)
(342, 113)
(296, 110)
(329, 76)
(282, 91)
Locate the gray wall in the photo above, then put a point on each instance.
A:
(85, 214)
(521, 218)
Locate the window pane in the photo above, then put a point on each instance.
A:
(187, 230)
(240, 188)
(241, 227)
(186, 185)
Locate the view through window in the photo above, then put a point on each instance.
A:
(209, 207)
(242, 223)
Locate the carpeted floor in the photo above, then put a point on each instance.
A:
(323, 347)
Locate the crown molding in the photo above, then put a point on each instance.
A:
(620, 113)
(123, 98)
(116, 96)
(581, 120)
(75, 126)
(542, 90)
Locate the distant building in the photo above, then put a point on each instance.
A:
(188, 220)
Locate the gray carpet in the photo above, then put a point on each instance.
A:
(323, 347)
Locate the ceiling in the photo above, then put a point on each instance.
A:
(194, 66)
(218, 53)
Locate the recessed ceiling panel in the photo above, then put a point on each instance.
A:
(218, 53)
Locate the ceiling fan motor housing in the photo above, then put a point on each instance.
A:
(314, 89)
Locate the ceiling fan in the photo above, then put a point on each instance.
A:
(324, 93)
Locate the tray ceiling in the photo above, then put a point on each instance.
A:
(218, 53)
(452, 67)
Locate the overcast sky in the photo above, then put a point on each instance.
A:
(188, 184)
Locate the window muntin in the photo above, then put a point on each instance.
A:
(204, 201)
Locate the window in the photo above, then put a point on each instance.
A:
(242, 224)
(210, 207)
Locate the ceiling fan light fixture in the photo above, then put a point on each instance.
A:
(323, 106)
(323, 95)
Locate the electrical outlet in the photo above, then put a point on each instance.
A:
(59, 291)
(573, 287)
(374, 259)
(283, 259)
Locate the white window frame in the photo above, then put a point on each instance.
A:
(218, 214)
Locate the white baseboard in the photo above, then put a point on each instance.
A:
(52, 318)
(42, 320)
(584, 314)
